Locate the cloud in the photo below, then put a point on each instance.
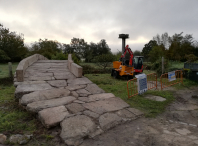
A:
(99, 19)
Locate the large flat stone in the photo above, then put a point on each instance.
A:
(39, 74)
(44, 95)
(40, 105)
(75, 108)
(75, 128)
(91, 114)
(39, 78)
(126, 114)
(155, 98)
(108, 105)
(79, 81)
(109, 120)
(58, 83)
(64, 76)
(28, 88)
(83, 92)
(52, 116)
(135, 111)
(102, 96)
(75, 87)
(94, 89)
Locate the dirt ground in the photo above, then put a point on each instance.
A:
(178, 126)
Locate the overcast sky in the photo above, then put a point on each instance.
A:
(94, 20)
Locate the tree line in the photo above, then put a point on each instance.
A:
(178, 47)
(12, 48)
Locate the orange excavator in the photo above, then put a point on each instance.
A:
(127, 67)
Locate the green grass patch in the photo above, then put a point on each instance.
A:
(119, 88)
(13, 119)
(4, 71)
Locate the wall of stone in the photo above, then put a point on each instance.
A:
(74, 68)
(25, 63)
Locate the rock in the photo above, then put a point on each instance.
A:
(44, 95)
(91, 114)
(2, 138)
(183, 131)
(96, 133)
(39, 105)
(135, 111)
(20, 139)
(94, 89)
(58, 83)
(75, 87)
(39, 78)
(79, 81)
(28, 88)
(75, 107)
(108, 105)
(73, 93)
(52, 116)
(75, 128)
(82, 92)
(155, 98)
(126, 114)
(109, 120)
(85, 99)
(102, 96)
(78, 101)
(64, 76)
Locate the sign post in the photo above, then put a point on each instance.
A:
(142, 83)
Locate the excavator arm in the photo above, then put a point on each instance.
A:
(127, 49)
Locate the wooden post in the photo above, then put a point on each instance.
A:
(162, 65)
(10, 69)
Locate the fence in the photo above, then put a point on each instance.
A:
(132, 86)
(166, 83)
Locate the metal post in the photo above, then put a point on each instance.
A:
(162, 65)
(10, 69)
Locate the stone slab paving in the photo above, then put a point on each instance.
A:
(80, 107)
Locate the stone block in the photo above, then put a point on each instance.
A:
(76, 70)
(75, 128)
(44, 95)
(52, 116)
(40, 105)
(79, 81)
(75, 108)
(108, 105)
(109, 120)
(58, 83)
(83, 92)
(69, 64)
(102, 96)
(94, 89)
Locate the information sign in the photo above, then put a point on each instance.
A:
(171, 76)
(142, 83)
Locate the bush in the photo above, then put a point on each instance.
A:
(88, 69)
(104, 60)
(157, 66)
(60, 56)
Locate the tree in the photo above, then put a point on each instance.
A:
(137, 53)
(103, 47)
(104, 60)
(47, 48)
(156, 53)
(148, 47)
(12, 45)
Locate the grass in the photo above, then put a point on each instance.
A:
(4, 71)
(119, 88)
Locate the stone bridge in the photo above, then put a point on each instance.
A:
(60, 95)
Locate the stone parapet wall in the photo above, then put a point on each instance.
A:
(25, 63)
(74, 68)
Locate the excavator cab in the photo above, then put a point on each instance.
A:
(138, 64)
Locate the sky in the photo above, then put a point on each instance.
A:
(94, 20)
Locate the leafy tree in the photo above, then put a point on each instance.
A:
(104, 60)
(148, 47)
(156, 53)
(12, 45)
(103, 47)
(137, 53)
(47, 48)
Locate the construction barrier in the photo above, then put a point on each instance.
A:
(165, 82)
(132, 86)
